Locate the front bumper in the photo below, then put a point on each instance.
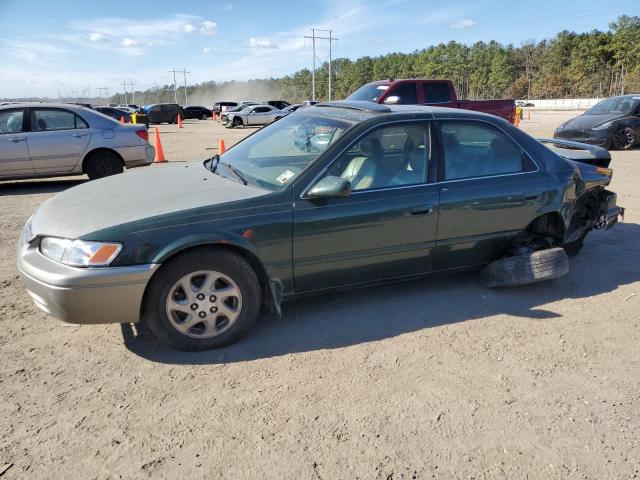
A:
(83, 295)
(592, 137)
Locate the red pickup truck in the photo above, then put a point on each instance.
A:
(439, 93)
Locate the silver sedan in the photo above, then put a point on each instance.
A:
(251, 115)
(47, 140)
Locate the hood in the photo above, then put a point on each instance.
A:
(133, 196)
(585, 122)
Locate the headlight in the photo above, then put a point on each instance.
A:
(602, 126)
(79, 253)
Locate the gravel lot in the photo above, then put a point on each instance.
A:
(431, 379)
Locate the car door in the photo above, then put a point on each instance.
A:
(154, 114)
(385, 228)
(260, 116)
(14, 154)
(57, 139)
(490, 190)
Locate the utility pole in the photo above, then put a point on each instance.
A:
(184, 73)
(133, 95)
(329, 65)
(124, 85)
(313, 38)
(104, 95)
(175, 94)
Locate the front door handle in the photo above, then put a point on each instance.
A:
(79, 135)
(423, 210)
(17, 139)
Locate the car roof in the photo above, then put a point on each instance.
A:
(69, 106)
(358, 111)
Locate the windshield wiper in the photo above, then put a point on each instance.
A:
(214, 161)
(236, 172)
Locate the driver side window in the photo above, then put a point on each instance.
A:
(392, 156)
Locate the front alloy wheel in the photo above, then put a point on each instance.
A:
(204, 304)
(623, 139)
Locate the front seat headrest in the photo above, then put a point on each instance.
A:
(42, 125)
(371, 147)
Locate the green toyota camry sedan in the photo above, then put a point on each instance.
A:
(332, 196)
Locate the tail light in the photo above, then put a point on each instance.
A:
(143, 134)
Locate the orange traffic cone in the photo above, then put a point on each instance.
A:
(159, 158)
(122, 120)
(221, 147)
(179, 121)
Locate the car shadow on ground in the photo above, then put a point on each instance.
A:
(32, 187)
(608, 260)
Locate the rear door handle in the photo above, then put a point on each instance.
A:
(79, 135)
(532, 195)
(17, 139)
(423, 210)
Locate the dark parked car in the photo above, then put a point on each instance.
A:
(164, 112)
(114, 113)
(391, 192)
(201, 113)
(613, 123)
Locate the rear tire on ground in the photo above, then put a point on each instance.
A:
(524, 269)
(174, 119)
(237, 122)
(103, 164)
(204, 116)
(198, 320)
(624, 139)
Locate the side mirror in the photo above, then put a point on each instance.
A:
(330, 187)
(392, 100)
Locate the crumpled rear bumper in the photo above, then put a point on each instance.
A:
(614, 212)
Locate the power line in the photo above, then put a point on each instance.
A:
(331, 39)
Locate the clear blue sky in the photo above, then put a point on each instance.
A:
(56, 47)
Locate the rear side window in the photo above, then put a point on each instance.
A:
(436, 92)
(406, 92)
(11, 121)
(473, 149)
(47, 120)
(261, 109)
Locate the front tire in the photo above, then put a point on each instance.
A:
(204, 116)
(202, 299)
(237, 122)
(624, 139)
(103, 164)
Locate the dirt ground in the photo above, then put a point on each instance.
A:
(431, 379)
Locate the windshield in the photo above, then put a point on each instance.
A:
(621, 105)
(369, 93)
(275, 155)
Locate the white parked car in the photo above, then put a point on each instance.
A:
(50, 140)
(251, 115)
